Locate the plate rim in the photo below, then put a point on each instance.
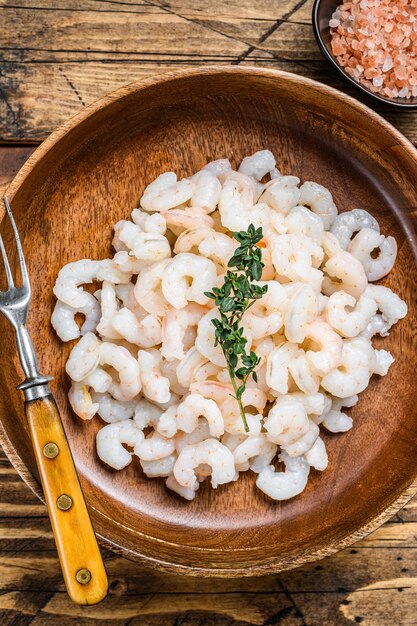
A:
(18, 462)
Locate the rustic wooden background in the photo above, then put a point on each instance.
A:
(56, 57)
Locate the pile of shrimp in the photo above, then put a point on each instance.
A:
(146, 363)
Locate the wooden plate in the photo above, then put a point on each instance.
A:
(89, 174)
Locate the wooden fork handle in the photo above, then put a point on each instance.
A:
(79, 554)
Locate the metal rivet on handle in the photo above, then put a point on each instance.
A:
(51, 450)
(83, 576)
(64, 502)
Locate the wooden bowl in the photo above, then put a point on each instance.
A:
(90, 173)
(322, 14)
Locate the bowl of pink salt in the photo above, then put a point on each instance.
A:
(373, 44)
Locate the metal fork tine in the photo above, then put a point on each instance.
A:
(23, 269)
(9, 275)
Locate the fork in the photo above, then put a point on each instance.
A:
(82, 565)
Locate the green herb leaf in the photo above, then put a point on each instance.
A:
(236, 295)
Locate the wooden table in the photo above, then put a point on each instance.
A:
(56, 57)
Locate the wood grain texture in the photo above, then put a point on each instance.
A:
(74, 535)
(94, 168)
(11, 160)
(56, 58)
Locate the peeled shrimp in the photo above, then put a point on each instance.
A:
(207, 190)
(348, 270)
(81, 401)
(155, 386)
(154, 447)
(109, 308)
(265, 318)
(317, 455)
(384, 360)
(200, 433)
(304, 443)
(252, 397)
(335, 420)
(300, 221)
(364, 243)
(148, 288)
(391, 306)
(127, 367)
(126, 295)
(352, 375)
(277, 366)
(118, 245)
(330, 354)
(110, 440)
(149, 223)
(258, 164)
(174, 327)
(179, 220)
(185, 369)
(127, 263)
(315, 404)
(221, 166)
(99, 380)
(212, 389)
(188, 493)
(293, 257)
(145, 246)
(300, 311)
(146, 414)
(169, 370)
(376, 326)
(320, 201)
(160, 467)
(349, 323)
(71, 276)
(165, 192)
(287, 484)
(84, 357)
(205, 339)
(232, 441)
(255, 451)
(282, 194)
(345, 224)
(287, 421)
(195, 406)
(236, 197)
(304, 373)
(63, 318)
(145, 333)
(167, 422)
(233, 423)
(184, 269)
(209, 452)
(111, 410)
(211, 244)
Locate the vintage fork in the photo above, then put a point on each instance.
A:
(79, 554)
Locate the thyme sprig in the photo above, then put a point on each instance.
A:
(237, 294)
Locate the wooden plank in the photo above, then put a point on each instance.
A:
(319, 591)
(380, 604)
(11, 160)
(92, 80)
(343, 572)
(93, 48)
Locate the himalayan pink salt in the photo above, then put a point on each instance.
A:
(376, 42)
